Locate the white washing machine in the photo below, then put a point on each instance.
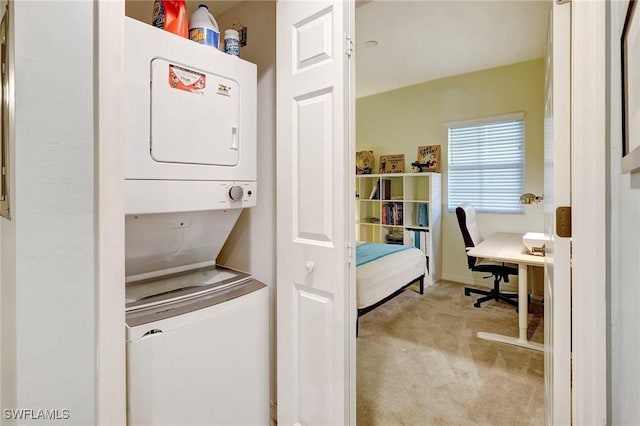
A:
(197, 333)
(196, 345)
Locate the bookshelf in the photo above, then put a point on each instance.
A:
(401, 208)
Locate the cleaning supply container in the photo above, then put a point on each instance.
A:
(203, 27)
(232, 42)
(171, 15)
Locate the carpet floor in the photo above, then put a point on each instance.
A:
(419, 362)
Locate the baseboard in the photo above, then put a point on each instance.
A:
(462, 279)
(511, 287)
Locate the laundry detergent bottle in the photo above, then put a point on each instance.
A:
(171, 15)
(203, 28)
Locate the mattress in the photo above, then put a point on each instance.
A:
(382, 277)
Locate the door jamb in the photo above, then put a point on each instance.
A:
(589, 250)
(109, 213)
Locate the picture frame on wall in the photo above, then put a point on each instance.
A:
(429, 158)
(391, 163)
(630, 78)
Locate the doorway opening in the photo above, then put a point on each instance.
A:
(434, 64)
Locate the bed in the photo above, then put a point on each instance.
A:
(384, 271)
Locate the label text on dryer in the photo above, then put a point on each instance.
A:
(224, 90)
(185, 79)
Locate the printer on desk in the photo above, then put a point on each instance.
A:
(535, 242)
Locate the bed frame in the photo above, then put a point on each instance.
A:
(362, 311)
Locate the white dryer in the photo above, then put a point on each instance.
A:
(190, 124)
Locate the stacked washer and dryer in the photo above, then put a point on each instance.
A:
(197, 333)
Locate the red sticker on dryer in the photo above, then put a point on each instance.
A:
(185, 79)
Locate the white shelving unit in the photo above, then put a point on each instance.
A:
(388, 210)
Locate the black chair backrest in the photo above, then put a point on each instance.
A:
(468, 242)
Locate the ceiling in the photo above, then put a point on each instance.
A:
(426, 40)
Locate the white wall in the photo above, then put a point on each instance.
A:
(624, 285)
(48, 304)
(252, 244)
(400, 120)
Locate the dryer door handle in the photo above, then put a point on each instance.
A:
(235, 141)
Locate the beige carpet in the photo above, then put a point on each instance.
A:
(420, 363)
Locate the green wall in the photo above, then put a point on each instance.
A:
(398, 121)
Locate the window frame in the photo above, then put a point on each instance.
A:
(517, 116)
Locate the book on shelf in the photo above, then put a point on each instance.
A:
(425, 243)
(422, 218)
(385, 188)
(408, 238)
(374, 192)
(419, 238)
(392, 214)
(381, 190)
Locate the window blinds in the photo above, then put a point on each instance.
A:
(486, 165)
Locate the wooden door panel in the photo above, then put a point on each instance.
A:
(316, 331)
(313, 171)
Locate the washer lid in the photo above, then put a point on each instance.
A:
(166, 243)
(175, 315)
(167, 289)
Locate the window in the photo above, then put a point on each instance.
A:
(486, 164)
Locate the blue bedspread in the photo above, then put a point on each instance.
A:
(368, 252)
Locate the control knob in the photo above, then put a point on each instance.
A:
(236, 193)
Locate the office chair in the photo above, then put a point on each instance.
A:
(466, 215)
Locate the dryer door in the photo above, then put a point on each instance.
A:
(195, 115)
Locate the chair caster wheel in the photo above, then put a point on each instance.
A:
(477, 305)
(467, 292)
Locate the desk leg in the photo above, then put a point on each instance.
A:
(523, 317)
(523, 308)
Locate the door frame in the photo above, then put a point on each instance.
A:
(109, 213)
(557, 192)
(589, 305)
(589, 169)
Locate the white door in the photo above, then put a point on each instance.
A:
(557, 193)
(316, 309)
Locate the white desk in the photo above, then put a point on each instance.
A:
(508, 247)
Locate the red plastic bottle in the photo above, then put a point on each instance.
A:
(171, 15)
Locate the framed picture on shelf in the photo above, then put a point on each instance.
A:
(428, 158)
(364, 162)
(630, 55)
(391, 163)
